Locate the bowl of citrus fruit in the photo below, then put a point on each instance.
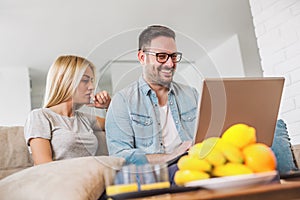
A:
(235, 154)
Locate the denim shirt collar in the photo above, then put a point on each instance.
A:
(145, 88)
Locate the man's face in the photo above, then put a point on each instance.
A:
(154, 72)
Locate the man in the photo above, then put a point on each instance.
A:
(153, 119)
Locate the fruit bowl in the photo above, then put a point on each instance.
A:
(236, 182)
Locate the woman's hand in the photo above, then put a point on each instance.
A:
(101, 100)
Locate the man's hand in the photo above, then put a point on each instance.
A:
(163, 158)
(185, 146)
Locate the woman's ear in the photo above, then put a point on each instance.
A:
(141, 57)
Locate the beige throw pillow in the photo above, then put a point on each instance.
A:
(78, 178)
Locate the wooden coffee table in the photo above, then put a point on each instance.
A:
(276, 191)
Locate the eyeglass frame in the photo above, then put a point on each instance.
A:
(169, 55)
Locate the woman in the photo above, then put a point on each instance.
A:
(58, 130)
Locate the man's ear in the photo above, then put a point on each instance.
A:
(142, 57)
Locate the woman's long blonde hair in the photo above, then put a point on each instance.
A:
(63, 78)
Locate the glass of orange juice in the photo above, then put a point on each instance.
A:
(153, 176)
(124, 181)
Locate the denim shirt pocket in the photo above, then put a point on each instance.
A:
(189, 116)
(141, 120)
(188, 122)
(143, 130)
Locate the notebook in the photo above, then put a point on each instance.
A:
(227, 101)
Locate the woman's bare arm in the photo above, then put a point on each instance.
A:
(41, 150)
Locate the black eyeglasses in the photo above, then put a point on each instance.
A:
(163, 57)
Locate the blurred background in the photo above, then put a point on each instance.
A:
(218, 38)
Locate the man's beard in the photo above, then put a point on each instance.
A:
(160, 70)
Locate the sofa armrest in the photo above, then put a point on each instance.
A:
(81, 178)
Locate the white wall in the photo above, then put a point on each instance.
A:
(277, 28)
(123, 73)
(228, 59)
(15, 96)
(224, 61)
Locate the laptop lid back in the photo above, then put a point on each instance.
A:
(227, 101)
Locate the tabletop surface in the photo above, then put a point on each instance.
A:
(286, 189)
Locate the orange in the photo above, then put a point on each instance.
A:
(259, 157)
(240, 135)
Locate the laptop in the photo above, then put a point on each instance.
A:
(253, 101)
(228, 101)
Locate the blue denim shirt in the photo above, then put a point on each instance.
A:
(281, 146)
(133, 127)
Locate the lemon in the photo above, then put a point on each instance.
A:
(193, 163)
(240, 135)
(232, 153)
(183, 176)
(231, 169)
(207, 150)
(195, 150)
(211, 141)
(215, 157)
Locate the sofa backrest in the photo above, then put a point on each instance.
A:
(102, 146)
(14, 151)
(15, 155)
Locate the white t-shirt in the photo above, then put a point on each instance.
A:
(170, 134)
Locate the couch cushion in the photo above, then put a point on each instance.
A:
(296, 151)
(77, 178)
(14, 152)
(102, 146)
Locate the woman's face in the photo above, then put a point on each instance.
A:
(85, 89)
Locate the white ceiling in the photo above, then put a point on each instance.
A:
(33, 33)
